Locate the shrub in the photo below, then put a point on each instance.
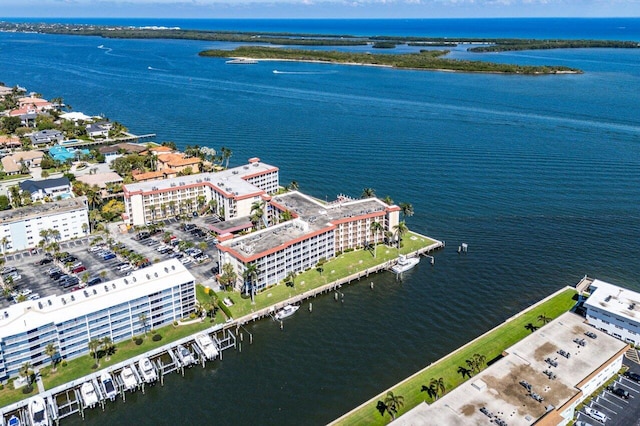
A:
(192, 315)
(138, 341)
(1, 386)
(64, 363)
(175, 323)
(156, 338)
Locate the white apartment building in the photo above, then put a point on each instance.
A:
(22, 226)
(164, 292)
(233, 192)
(614, 310)
(318, 230)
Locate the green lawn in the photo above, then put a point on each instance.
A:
(491, 345)
(342, 266)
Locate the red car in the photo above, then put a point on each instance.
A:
(80, 268)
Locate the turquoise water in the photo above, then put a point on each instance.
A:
(539, 175)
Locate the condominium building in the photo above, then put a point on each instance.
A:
(118, 309)
(231, 191)
(614, 310)
(532, 368)
(317, 231)
(22, 226)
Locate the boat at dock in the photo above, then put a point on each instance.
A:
(128, 378)
(37, 412)
(244, 61)
(205, 342)
(88, 394)
(286, 312)
(185, 356)
(109, 387)
(405, 263)
(147, 371)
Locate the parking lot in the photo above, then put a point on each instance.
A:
(33, 280)
(618, 410)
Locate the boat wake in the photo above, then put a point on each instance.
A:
(155, 69)
(304, 72)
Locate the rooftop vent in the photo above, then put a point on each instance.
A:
(155, 275)
(632, 306)
(166, 269)
(126, 281)
(134, 279)
(148, 276)
(113, 285)
(86, 293)
(73, 298)
(49, 302)
(608, 298)
(106, 288)
(40, 305)
(95, 291)
(64, 301)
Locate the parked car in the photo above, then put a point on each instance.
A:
(108, 256)
(44, 261)
(71, 282)
(618, 392)
(8, 270)
(142, 235)
(79, 269)
(185, 260)
(633, 376)
(94, 281)
(125, 268)
(34, 296)
(595, 414)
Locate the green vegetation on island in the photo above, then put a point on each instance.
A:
(425, 60)
(508, 45)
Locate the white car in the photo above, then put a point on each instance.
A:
(125, 268)
(186, 260)
(595, 414)
(34, 296)
(25, 292)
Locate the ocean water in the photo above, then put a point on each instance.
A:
(539, 175)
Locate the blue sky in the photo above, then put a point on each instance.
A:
(320, 8)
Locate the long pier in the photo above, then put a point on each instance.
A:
(332, 286)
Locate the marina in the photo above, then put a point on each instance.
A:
(94, 390)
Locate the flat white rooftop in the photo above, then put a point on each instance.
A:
(28, 315)
(622, 302)
(498, 387)
(46, 209)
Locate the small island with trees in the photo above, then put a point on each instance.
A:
(423, 60)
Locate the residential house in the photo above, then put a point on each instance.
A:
(46, 137)
(39, 189)
(13, 163)
(178, 162)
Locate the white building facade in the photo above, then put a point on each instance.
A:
(232, 191)
(22, 226)
(614, 310)
(120, 309)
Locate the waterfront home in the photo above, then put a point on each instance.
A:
(152, 176)
(75, 116)
(53, 187)
(161, 293)
(178, 162)
(13, 163)
(38, 104)
(46, 137)
(98, 130)
(22, 226)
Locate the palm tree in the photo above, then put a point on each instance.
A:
(388, 200)
(285, 216)
(437, 386)
(226, 155)
(94, 344)
(14, 193)
(393, 403)
(228, 276)
(51, 351)
(376, 228)
(107, 345)
(464, 372)
(4, 242)
(531, 327)
(544, 319)
(144, 321)
(400, 229)
(407, 210)
(291, 278)
(368, 193)
(293, 186)
(25, 371)
(478, 361)
(55, 234)
(250, 274)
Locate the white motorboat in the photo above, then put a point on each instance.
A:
(37, 412)
(206, 343)
(88, 394)
(147, 371)
(405, 263)
(185, 356)
(128, 378)
(109, 387)
(287, 311)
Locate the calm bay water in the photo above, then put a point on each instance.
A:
(540, 175)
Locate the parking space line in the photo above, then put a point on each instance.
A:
(602, 406)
